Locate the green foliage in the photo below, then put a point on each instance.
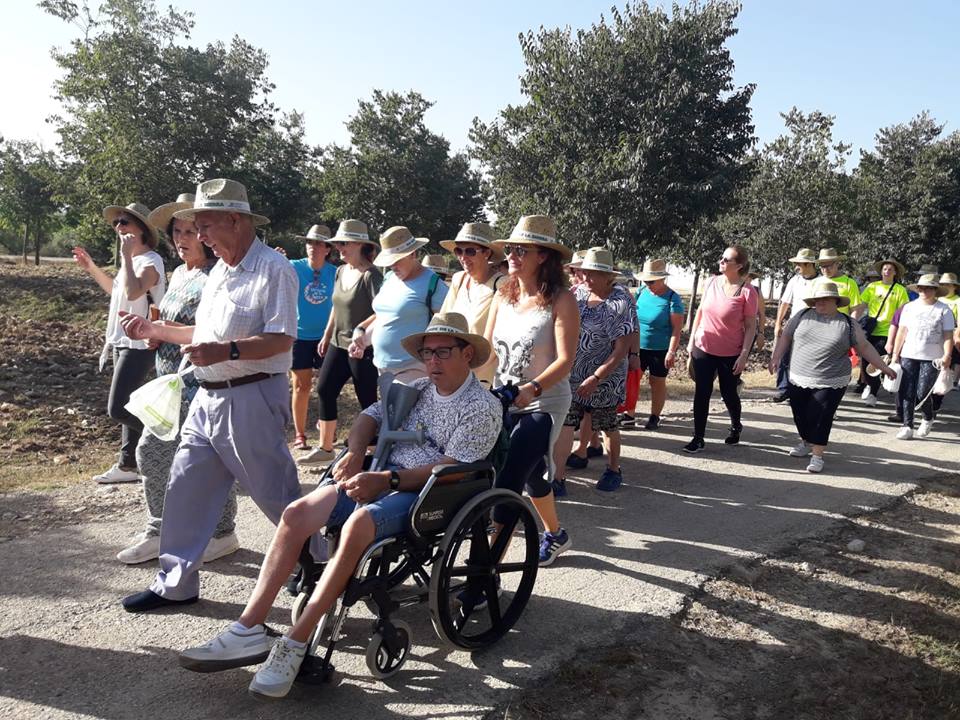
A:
(398, 172)
(632, 132)
(28, 181)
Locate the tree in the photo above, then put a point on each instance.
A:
(28, 179)
(632, 131)
(398, 172)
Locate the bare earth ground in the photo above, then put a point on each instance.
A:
(718, 586)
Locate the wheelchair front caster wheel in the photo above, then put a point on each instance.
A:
(299, 603)
(383, 660)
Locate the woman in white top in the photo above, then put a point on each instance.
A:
(472, 289)
(533, 327)
(924, 335)
(139, 283)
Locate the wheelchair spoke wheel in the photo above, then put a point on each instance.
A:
(384, 658)
(479, 591)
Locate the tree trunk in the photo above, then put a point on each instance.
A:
(36, 247)
(693, 299)
(26, 240)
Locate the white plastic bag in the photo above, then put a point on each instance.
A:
(157, 405)
(945, 381)
(892, 386)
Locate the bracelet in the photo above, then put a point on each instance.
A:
(599, 379)
(358, 331)
(633, 354)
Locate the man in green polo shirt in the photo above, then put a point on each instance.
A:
(829, 262)
(883, 298)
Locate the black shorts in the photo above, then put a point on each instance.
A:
(305, 355)
(654, 361)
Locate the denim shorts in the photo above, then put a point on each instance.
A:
(389, 512)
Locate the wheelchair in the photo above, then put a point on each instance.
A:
(476, 591)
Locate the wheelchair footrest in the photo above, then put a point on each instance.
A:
(314, 671)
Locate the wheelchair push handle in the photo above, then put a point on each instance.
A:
(506, 394)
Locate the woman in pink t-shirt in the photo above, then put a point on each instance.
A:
(720, 341)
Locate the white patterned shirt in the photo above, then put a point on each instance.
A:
(258, 295)
(463, 425)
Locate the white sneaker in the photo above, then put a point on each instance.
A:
(816, 464)
(232, 648)
(924, 429)
(146, 547)
(117, 475)
(870, 400)
(905, 433)
(867, 392)
(276, 677)
(801, 450)
(221, 546)
(316, 456)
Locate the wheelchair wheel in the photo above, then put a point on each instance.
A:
(478, 592)
(384, 662)
(299, 603)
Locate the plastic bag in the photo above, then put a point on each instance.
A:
(945, 381)
(157, 405)
(892, 386)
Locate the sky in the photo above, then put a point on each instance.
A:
(870, 64)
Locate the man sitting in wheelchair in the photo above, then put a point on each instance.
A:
(461, 420)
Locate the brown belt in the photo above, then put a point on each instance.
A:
(235, 382)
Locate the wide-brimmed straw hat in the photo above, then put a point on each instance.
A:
(826, 289)
(478, 233)
(929, 280)
(353, 231)
(928, 269)
(598, 259)
(871, 272)
(575, 259)
(829, 255)
(539, 230)
(949, 279)
(316, 232)
(453, 325)
(395, 244)
(653, 270)
(438, 263)
(901, 268)
(161, 216)
(139, 211)
(221, 195)
(804, 255)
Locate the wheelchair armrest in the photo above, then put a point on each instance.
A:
(458, 470)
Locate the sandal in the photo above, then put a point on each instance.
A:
(300, 443)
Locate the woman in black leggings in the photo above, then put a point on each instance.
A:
(356, 284)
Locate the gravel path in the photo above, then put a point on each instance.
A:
(68, 650)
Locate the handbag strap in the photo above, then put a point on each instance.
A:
(880, 309)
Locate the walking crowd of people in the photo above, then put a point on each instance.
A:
(255, 335)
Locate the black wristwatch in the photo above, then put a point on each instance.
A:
(394, 480)
(234, 350)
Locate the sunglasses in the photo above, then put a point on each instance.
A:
(518, 250)
(469, 252)
(828, 265)
(122, 222)
(441, 353)
(728, 260)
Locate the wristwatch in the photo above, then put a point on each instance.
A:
(537, 388)
(234, 350)
(394, 480)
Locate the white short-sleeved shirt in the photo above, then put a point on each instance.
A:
(925, 327)
(798, 288)
(141, 306)
(258, 295)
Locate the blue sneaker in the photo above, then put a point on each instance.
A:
(559, 486)
(552, 545)
(610, 480)
(576, 462)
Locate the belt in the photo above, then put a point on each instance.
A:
(235, 382)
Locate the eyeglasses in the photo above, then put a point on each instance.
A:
(728, 260)
(469, 252)
(441, 353)
(518, 250)
(828, 265)
(122, 221)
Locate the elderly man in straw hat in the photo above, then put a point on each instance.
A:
(458, 415)
(235, 432)
(792, 302)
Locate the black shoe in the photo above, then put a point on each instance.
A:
(895, 418)
(734, 437)
(694, 446)
(652, 423)
(626, 421)
(148, 600)
(576, 462)
(780, 397)
(593, 452)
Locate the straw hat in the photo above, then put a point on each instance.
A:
(901, 269)
(539, 230)
(479, 234)
(395, 244)
(928, 280)
(597, 259)
(826, 289)
(454, 325)
(139, 211)
(316, 232)
(829, 255)
(221, 195)
(161, 216)
(353, 231)
(437, 263)
(872, 272)
(575, 259)
(949, 279)
(653, 270)
(928, 269)
(804, 255)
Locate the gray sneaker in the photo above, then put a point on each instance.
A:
(230, 649)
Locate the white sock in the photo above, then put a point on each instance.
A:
(294, 644)
(240, 629)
